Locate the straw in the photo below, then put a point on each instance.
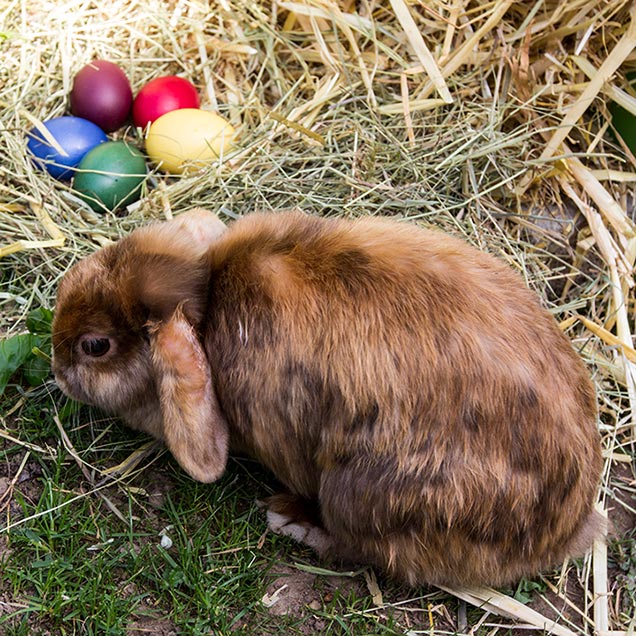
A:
(488, 120)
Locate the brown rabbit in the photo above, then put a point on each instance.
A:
(409, 391)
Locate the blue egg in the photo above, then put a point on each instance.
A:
(75, 136)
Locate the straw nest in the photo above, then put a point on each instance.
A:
(487, 119)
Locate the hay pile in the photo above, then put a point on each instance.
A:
(487, 119)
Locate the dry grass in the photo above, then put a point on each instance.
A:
(488, 119)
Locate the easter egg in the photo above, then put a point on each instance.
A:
(101, 93)
(160, 96)
(188, 139)
(110, 176)
(63, 143)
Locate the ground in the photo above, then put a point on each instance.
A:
(95, 562)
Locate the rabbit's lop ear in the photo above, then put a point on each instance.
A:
(195, 429)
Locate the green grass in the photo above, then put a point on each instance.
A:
(75, 567)
(85, 556)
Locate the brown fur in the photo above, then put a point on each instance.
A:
(404, 381)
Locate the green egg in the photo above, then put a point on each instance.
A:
(110, 176)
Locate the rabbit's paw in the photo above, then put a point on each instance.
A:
(291, 516)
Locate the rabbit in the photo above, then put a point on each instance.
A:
(423, 412)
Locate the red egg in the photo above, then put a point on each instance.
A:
(160, 96)
(101, 93)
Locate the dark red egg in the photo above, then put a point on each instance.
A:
(162, 95)
(101, 93)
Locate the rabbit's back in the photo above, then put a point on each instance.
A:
(412, 385)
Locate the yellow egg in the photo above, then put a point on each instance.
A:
(188, 139)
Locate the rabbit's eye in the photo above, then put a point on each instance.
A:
(96, 347)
